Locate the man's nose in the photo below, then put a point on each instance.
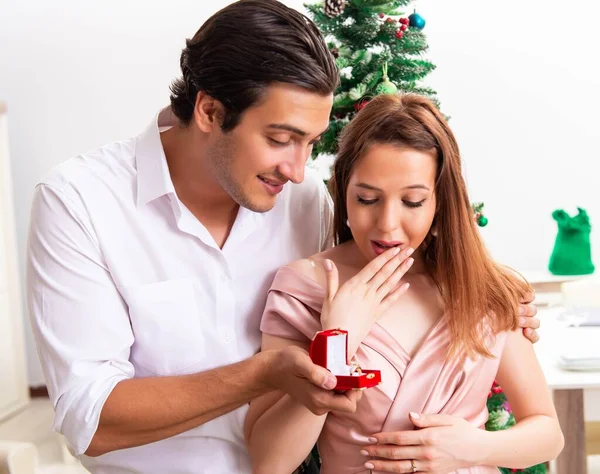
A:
(294, 168)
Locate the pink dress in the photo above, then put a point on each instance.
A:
(428, 383)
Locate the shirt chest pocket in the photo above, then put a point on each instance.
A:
(167, 326)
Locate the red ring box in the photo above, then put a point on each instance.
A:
(329, 349)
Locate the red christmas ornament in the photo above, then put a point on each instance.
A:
(382, 15)
(399, 34)
(403, 28)
(361, 105)
(404, 21)
(389, 20)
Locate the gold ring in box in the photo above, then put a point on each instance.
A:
(330, 347)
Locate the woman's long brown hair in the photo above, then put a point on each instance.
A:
(478, 293)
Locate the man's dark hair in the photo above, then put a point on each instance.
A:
(243, 49)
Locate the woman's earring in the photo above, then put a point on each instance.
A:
(348, 223)
(434, 232)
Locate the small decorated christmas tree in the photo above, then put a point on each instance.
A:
(378, 50)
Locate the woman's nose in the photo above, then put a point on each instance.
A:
(389, 219)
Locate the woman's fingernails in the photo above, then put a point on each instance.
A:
(410, 261)
(414, 415)
(522, 321)
(364, 453)
(368, 465)
(396, 251)
(372, 440)
(409, 252)
(327, 264)
(521, 310)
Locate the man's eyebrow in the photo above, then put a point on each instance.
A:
(290, 128)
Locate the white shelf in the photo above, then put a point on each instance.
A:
(536, 277)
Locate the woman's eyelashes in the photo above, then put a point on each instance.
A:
(365, 202)
(407, 203)
(414, 204)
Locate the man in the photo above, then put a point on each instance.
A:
(149, 260)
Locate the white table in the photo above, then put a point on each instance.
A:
(568, 386)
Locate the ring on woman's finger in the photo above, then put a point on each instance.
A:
(413, 466)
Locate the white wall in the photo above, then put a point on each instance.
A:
(520, 80)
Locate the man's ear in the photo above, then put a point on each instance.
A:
(208, 112)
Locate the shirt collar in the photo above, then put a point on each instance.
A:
(153, 177)
(154, 181)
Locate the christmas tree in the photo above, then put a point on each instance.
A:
(378, 50)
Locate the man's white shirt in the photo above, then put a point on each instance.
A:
(123, 281)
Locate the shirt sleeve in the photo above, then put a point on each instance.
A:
(79, 320)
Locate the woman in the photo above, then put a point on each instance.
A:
(443, 334)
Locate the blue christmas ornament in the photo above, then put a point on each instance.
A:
(416, 21)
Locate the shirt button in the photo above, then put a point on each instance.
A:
(224, 279)
(227, 338)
